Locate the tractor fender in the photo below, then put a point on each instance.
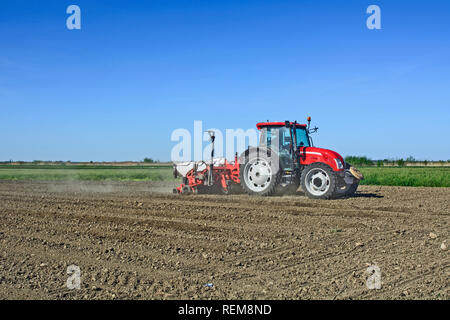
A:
(263, 151)
(259, 150)
(310, 155)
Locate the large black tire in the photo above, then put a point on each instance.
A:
(319, 181)
(352, 189)
(259, 172)
(348, 190)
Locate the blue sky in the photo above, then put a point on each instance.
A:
(136, 71)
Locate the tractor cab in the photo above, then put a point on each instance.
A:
(286, 139)
(282, 135)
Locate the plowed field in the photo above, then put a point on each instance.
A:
(136, 240)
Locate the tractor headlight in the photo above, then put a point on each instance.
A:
(339, 164)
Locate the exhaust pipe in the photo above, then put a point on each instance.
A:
(211, 166)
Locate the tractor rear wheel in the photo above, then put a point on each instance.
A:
(260, 174)
(319, 181)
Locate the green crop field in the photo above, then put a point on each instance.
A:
(389, 176)
(86, 173)
(407, 176)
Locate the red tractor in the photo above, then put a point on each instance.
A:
(285, 160)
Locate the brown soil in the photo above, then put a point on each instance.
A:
(136, 240)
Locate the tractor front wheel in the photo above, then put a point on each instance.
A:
(319, 181)
(348, 187)
(348, 190)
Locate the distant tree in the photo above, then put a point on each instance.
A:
(149, 160)
(359, 161)
(379, 163)
(410, 159)
(400, 162)
(425, 162)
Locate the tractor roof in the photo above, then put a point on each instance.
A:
(277, 124)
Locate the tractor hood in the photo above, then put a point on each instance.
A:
(330, 153)
(309, 155)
